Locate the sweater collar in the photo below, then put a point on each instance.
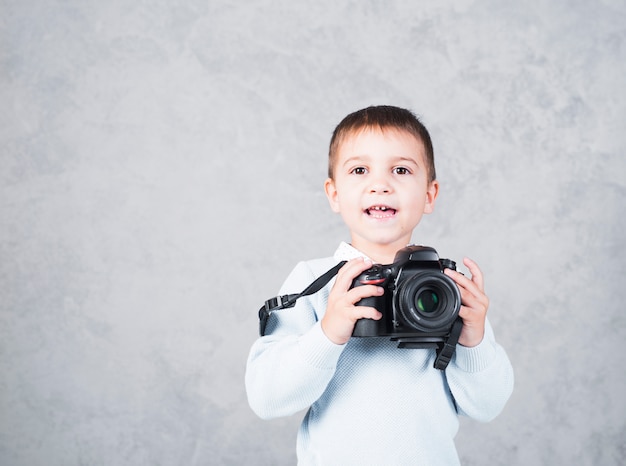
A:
(346, 252)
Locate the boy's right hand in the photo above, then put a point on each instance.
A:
(342, 313)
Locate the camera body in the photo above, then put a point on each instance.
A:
(420, 303)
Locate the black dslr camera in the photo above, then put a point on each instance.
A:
(420, 305)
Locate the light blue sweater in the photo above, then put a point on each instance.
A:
(369, 402)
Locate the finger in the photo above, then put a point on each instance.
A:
(366, 312)
(473, 299)
(352, 269)
(360, 292)
(474, 302)
(468, 288)
(477, 275)
(461, 280)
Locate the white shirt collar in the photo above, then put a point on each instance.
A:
(346, 252)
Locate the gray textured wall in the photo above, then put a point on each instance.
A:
(161, 172)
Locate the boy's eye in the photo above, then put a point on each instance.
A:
(401, 171)
(359, 170)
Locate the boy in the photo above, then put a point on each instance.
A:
(370, 402)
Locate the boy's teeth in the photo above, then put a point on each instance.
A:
(380, 208)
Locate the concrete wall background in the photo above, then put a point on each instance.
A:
(161, 171)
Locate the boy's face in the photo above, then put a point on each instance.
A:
(381, 189)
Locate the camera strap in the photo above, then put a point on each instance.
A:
(446, 350)
(289, 300)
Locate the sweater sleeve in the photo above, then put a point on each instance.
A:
(289, 368)
(480, 378)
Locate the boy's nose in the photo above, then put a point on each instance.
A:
(379, 187)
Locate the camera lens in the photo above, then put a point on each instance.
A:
(427, 301)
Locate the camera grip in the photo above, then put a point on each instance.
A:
(367, 327)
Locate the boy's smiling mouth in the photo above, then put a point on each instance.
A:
(380, 211)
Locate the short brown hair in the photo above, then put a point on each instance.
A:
(382, 117)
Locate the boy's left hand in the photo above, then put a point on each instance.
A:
(474, 303)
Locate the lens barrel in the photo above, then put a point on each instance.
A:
(427, 301)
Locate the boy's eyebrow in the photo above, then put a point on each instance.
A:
(367, 158)
(355, 158)
(408, 159)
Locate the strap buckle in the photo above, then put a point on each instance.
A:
(274, 304)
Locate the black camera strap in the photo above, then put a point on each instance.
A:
(289, 300)
(446, 349)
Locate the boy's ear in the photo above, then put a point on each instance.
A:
(331, 194)
(431, 195)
